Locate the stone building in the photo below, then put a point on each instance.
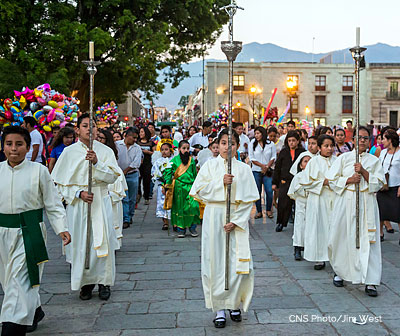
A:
(131, 108)
(326, 89)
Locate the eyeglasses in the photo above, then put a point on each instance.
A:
(101, 138)
(364, 138)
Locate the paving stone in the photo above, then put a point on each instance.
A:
(289, 315)
(136, 321)
(176, 306)
(114, 308)
(201, 319)
(337, 303)
(166, 332)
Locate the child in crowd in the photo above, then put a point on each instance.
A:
(299, 194)
(319, 203)
(157, 174)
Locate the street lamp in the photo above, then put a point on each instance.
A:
(307, 110)
(291, 86)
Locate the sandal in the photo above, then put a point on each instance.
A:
(165, 227)
(270, 215)
(236, 317)
(259, 215)
(219, 322)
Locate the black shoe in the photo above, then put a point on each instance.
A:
(126, 225)
(382, 237)
(390, 231)
(13, 329)
(219, 322)
(86, 292)
(337, 283)
(39, 315)
(104, 292)
(279, 228)
(193, 233)
(319, 266)
(371, 291)
(297, 253)
(175, 228)
(236, 317)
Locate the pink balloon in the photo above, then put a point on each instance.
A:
(51, 115)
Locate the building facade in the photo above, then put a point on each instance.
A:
(131, 108)
(320, 91)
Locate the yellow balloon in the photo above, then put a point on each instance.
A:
(47, 128)
(22, 102)
(38, 93)
(56, 122)
(53, 104)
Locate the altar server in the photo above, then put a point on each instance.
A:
(210, 188)
(319, 203)
(363, 265)
(26, 190)
(71, 175)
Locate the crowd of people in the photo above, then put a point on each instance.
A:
(307, 176)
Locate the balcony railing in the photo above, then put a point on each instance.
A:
(392, 95)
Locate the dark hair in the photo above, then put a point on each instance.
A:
(339, 130)
(183, 142)
(313, 137)
(386, 128)
(272, 129)
(30, 120)
(195, 129)
(264, 137)
(109, 141)
(147, 134)
(60, 136)
(56, 128)
(70, 125)
(324, 137)
(207, 123)
(393, 136)
(84, 116)
(237, 124)
(349, 121)
(304, 132)
(215, 141)
(166, 127)
(300, 162)
(131, 130)
(168, 144)
(324, 130)
(291, 134)
(361, 128)
(17, 130)
(118, 132)
(225, 132)
(291, 122)
(151, 124)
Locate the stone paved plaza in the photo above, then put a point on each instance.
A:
(158, 290)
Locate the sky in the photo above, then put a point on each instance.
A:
(293, 24)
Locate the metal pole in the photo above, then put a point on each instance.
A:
(202, 97)
(91, 70)
(291, 108)
(357, 56)
(231, 49)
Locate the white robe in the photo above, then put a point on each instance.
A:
(117, 193)
(157, 175)
(209, 189)
(362, 265)
(71, 175)
(319, 208)
(25, 187)
(293, 169)
(297, 192)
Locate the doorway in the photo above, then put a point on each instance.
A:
(393, 119)
(240, 115)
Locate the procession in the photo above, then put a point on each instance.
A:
(236, 214)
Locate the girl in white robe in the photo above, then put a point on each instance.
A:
(210, 188)
(363, 265)
(319, 203)
(157, 174)
(25, 186)
(297, 192)
(71, 176)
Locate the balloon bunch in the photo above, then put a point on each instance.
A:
(272, 114)
(219, 117)
(107, 113)
(49, 107)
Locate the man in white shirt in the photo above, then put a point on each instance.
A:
(36, 149)
(244, 140)
(129, 160)
(201, 138)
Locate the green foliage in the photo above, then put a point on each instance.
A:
(47, 40)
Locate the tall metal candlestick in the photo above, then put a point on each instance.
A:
(357, 53)
(231, 49)
(91, 70)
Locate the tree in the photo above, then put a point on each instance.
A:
(47, 40)
(183, 101)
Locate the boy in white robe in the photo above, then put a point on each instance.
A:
(210, 188)
(298, 193)
(26, 189)
(363, 265)
(71, 175)
(312, 150)
(319, 203)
